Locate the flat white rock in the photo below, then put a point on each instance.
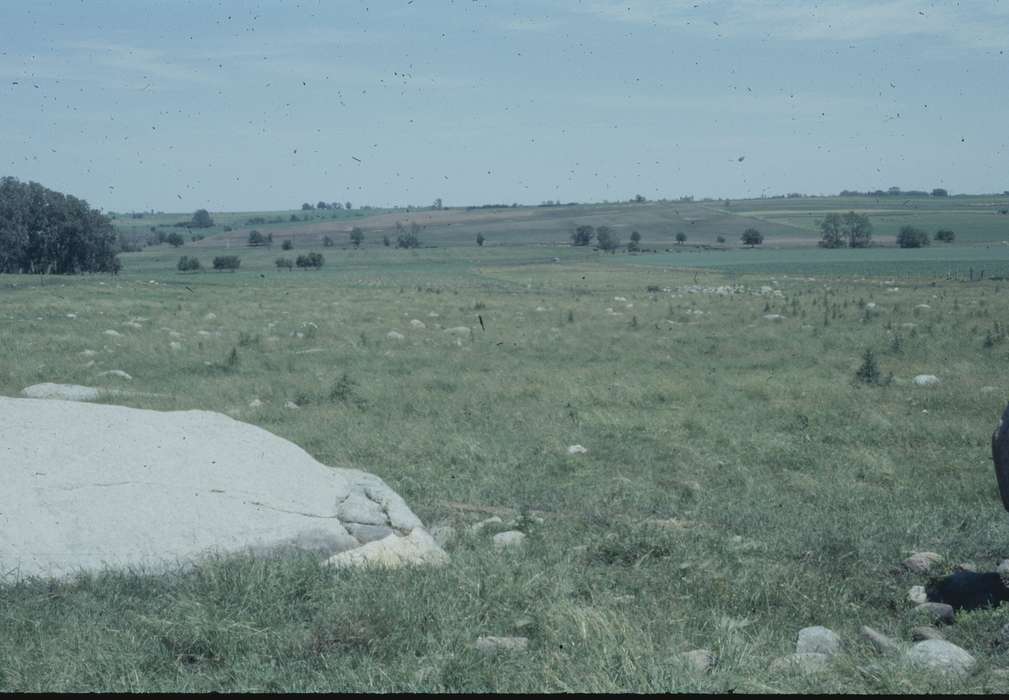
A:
(91, 485)
(416, 549)
(65, 392)
(926, 379)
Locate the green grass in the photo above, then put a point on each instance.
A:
(796, 491)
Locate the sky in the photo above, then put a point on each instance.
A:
(239, 106)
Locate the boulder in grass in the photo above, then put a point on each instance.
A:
(63, 392)
(89, 486)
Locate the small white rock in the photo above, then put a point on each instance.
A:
(926, 380)
(576, 450)
(498, 645)
(418, 324)
(255, 403)
(115, 373)
(511, 538)
(394, 335)
(291, 405)
(917, 595)
(114, 334)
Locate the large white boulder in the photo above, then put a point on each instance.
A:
(89, 485)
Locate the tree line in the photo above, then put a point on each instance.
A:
(47, 232)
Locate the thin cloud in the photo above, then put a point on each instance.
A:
(976, 26)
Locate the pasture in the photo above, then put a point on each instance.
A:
(738, 483)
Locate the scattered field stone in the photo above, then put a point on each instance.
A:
(210, 317)
(921, 562)
(175, 345)
(938, 612)
(510, 538)
(166, 488)
(88, 353)
(806, 663)
(255, 403)
(926, 380)
(923, 632)
(132, 324)
(882, 643)
(115, 373)
(942, 656)
(444, 535)
(817, 640)
(394, 335)
(458, 330)
(917, 595)
(774, 317)
(493, 520)
(501, 645)
(576, 450)
(64, 392)
(418, 324)
(965, 566)
(392, 552)
(291, 405)
(699, 660)
(923, 306)
(114, 334)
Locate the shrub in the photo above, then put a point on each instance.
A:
(582, 235)
(480, 239)
(312, 260)
(175, 239)
(256, 238)
(284, 263)
(287, 244)
(720, 239)
(386, 242)
(911, 237)
(327, 242)
(869, 372)
(188, 264)
(945, 235)
(356, 236)
(227, 262)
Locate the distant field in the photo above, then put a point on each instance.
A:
(784, 222)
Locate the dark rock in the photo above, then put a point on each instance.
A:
(925, 632)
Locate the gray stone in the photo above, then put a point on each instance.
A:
(774, 317)
(368, 533)
(458, 330)
(88, 486)
(64, 392)
(938, 612)
(817, 640)
(115, 373)
(882, 643)
(941, 656)
(806, 663)
(917, 595)
(926, 380)
(1003, 569)
(498, 645)
(924, 632)
(921, 562)
(699, 660)
(511, 538)
(479, 527)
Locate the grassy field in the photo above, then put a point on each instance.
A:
(738, 484)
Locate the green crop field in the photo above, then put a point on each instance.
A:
(739, 483)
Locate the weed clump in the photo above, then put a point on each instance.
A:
(870, 373)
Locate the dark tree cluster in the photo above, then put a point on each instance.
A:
(911, 237)
(840, 230)
(43, 231)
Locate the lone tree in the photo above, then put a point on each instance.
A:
(288, 244)
(582, 235)
(201, 219)
(635, 245)
(175, 239)
(752, 237)
(48, 232)
(911, 237)
(940, 192)
(831, 235)
(480, 239)
(356, 236)
(945, 235)
(857, 228)
(606, 239)
(681, 238)
(437, 203)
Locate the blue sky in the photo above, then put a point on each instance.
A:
(258, 105)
